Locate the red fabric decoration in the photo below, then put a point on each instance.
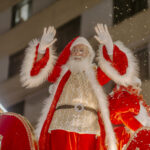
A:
(140, 140)
(130, 121)
(140, 97)
(45, 136)
(63, 58)
(17, 134)
(118, 56)
(38, 65)
(101, 77)
(73, 141)
(124, 105)
(122, 136)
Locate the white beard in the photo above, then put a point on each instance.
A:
(78, 65)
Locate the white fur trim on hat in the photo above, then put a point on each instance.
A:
(82, 40)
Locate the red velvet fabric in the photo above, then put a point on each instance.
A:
(54, 74)
(45, 136)
(102, 77)
(60, 139)
(16, 133)
(122, 136)
(38, 65)
(130, 121)
(123, 107)
(119, 62)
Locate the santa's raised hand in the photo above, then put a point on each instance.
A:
(103, 37)
(48, 39)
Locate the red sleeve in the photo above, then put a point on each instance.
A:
(38, 65)
(123, 107)
(119, 62)
(102, 77)
(55, 74)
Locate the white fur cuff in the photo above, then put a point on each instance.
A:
(111, 72)
(33, 81)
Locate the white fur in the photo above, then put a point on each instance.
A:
(33, 81)
(131, 72)
(47, 104)
(143, 116)
(103, 107)
(78, 65)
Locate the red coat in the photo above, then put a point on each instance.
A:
(101, 77)
(121, 69)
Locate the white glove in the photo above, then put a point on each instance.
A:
(103, 37)
(47, 39)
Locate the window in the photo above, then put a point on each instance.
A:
(67, 32)
(15, 62)
(127, 8)
(143, 59)
(17, 108)
(21, 12)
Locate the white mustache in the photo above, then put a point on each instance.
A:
(77, 57)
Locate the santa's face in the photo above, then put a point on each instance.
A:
(79, 52)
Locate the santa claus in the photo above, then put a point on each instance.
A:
(76, 115)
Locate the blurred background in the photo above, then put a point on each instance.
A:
(23, 20)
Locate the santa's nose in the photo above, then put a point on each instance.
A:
(78, 53)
